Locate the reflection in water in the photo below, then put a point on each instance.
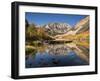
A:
(58, 55)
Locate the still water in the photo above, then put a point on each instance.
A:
(58, 55)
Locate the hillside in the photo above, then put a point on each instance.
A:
(80, 29)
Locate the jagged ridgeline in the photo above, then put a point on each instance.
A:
(52, 31)
(57, 28)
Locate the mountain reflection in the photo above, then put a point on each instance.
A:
(54, 55)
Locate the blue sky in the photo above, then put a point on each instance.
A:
(45, 18)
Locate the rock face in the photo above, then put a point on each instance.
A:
(82, 26)
(57, 28)
(65, 29)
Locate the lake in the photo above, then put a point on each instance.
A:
(54, 55)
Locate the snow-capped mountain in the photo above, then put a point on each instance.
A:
(57, 28)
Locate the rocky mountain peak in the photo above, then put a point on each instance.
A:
(57, 28)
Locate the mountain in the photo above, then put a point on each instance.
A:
(63, 29)
(81, 27)
(58, 31)
(57, 28)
